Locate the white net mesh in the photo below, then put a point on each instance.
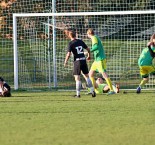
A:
(123, 37)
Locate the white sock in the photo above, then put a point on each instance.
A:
(78, 87)
(89, 83)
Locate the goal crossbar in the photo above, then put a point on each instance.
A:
(84, 13)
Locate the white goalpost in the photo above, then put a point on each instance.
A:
(124, 35)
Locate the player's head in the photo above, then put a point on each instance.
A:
(99, 80)
(90, 32)
(66, 31)
(72, 34)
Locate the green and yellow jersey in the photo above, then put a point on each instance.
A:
(97, 48)
(100, 88)
(145, 58)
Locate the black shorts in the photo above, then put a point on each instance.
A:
(6, 94)
(80, 65)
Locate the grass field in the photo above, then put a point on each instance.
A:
(55, 118)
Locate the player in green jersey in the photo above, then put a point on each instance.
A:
(101, 87)
(99, 64)
(145, 63)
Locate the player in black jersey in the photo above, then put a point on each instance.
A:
(5, 89)
(76, 47)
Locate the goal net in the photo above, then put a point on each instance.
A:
(40, 46)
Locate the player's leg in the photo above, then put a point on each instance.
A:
(78, 85)
(76, 73)
(7, 94)
(92, 72)
(89, 84)
(117, 88)
(108, 80)
(91, 75)
(102, 70)
(85, 72)
(142, 83)
(144, 72)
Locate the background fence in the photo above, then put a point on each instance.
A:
(127, 35)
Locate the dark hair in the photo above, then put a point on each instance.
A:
(101, 77)
(68, 30)
(72, 34)
(1, 79)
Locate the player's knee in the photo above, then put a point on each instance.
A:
(146, 79)
(91, 73)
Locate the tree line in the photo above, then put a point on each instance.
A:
(8, 7)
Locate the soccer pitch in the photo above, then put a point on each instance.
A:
(55, 118)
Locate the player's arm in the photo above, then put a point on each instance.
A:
(88, 54)
(94, 44)
(6, 88)
(67, 58)
(152, 53)
(94, 47)
(4, 91)
(88, 51)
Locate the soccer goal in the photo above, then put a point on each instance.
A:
(40, 46)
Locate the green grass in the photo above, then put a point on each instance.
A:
(55, 118)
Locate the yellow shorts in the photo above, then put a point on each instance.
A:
(99, 66)
(146, 70)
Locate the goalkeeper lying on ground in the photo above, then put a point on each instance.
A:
(101, 87)
(5, 89)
